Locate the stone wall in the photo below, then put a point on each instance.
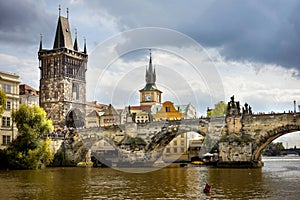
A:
(235, 152)
(70, 152)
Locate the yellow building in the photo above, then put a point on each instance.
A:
(9, 83)
(176, 150)
(166, 111)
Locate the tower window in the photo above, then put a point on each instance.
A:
(75, 91)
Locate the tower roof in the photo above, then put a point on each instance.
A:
(150, 76)
(63, 34)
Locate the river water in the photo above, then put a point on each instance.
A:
(278, 179)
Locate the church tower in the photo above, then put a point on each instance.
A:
(63, 78)
(150, 95)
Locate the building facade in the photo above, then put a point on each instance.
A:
(177, 149)
(166, 111)
(9, 83)
(63, 78)
(28, 95)
(110, 117)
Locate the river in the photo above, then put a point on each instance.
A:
(278, 179)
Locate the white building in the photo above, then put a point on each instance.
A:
(9, 83)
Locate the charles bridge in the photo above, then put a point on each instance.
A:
(239, 137)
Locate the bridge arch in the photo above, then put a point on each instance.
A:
(167, 134)
(75, 118)
(269, 136)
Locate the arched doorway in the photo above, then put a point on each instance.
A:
(75, 119)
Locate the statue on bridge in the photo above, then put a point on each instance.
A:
(233, 107)
(247, 109)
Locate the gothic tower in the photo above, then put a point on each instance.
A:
(150, 95)
(63, 78)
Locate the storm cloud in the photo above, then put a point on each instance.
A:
(258, 31)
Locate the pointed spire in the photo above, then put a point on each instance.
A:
(63, 37)
(59, 10)
(84, 48)
(150, 72)
(150, 62)
(75, 47)
(67, 13)
(41, 42)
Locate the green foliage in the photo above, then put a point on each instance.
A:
(219, 110)
(3, 99)
(274, 149)
(28, 150)
(133, 142)
(242, 138)
(32, 119)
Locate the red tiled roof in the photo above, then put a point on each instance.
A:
(26, 89)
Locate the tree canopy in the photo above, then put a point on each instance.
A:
(219, 110)
(28, 150)
(3, 99)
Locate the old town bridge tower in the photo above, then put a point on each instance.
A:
(63, 78)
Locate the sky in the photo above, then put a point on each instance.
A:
(203, 51)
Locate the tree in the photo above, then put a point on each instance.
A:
(274, 149)
(2, 101)
(28, 150)
(219, 110)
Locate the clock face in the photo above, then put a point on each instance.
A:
(148, 97)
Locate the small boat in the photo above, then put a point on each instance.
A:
(207, 188)
(198, 163)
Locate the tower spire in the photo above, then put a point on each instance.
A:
(75, 47)
(150, 72)
(59, 10)
(63, 37)
(41, 42)
(150, 56)
(84, 48)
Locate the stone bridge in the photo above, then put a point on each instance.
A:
(239, 137)
(263, 129)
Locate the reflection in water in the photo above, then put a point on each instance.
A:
(238, 183)
(279, 179)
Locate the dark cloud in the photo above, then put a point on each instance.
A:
(21, 22)
(260, 31)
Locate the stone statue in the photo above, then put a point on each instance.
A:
(238, 107)
(232, 102)
(228, 106)
(246, 108)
